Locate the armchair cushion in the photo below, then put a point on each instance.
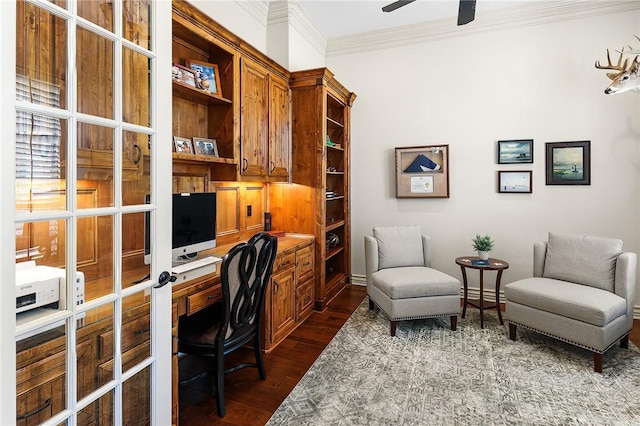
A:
(576, 301)
(582, 259)
(414, 281)
(399, 246)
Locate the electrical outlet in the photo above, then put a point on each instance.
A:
(249, 211)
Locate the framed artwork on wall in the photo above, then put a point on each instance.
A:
(515, 181)
(422, 171)
(515, 151)
(568, 163)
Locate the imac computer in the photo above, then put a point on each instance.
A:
(193, 226)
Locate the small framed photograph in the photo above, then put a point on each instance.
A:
(515, 181)
(183, 145)
(184, 75)
(515, 151)
(422, 172)
(206, 146)
(568, 163)
(208, 78)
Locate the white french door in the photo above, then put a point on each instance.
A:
(85, 326)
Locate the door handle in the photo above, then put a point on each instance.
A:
(165, 278)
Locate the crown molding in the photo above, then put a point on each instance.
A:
(290, 12)
(258, 9)
(535, 13)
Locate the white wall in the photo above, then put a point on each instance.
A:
(469, 92)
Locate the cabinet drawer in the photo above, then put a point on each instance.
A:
(304, 263)
(204, 298)
(42, 400)
(134, 333)
(304, 299)
(283, 262)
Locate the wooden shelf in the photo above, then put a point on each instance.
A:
(190, 93)
(333, 251)
(335, 147)
(333, 122)
(334, 225)
(336, 173)
(339, 197)
(196, 158)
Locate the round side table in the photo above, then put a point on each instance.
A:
(494, 265)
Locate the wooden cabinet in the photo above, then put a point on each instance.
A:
(321, 109)
(265, 129)
(293, 265)
(249, 118)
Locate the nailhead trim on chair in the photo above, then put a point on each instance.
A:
(563, 339)
(415, 317)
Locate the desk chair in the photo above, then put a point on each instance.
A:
(222, 328)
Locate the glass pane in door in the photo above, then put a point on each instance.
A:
(100, 12)
(136, 398)
(95, 166)
(41, 56)
(134, 245)
(95, 255)
(94, 64)
(41, 360)
(94, 346)
(136, 176)
(136, 18)
(136, 102)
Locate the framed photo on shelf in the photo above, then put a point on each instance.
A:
(205, 146)
(422, 171)
(183, 145)
(208, 78)
(515, 181)
(515, 151)
(568, 163)
(184, 75)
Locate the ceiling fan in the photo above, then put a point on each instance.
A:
(466, 9)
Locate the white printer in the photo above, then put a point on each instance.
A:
(43, 286)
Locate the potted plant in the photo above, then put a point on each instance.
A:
(483, 245)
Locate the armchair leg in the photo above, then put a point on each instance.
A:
(597, 362)
(512, 332)
(454, 322)
(624, 342)
(394, 325)
(371, 305)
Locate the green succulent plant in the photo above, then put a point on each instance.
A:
(482, 243)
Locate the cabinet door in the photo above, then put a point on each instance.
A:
(279, 128)
(254, 119)
(282, 303)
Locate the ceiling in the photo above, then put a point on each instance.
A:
(338, 18)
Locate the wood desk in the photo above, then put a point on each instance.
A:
(494, 265)
(286, 305)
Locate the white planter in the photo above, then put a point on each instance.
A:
(483, 255)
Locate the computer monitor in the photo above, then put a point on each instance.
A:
(193, 226)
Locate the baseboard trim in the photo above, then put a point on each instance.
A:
(474, 293)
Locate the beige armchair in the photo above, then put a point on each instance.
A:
(582, 292)
(400, 279)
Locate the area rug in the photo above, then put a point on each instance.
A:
(430, 375)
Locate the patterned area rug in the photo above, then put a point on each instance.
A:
(430, 375)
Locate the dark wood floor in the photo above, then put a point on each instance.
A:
(251, 401)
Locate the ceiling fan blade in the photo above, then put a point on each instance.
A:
(466, 11)
(396, 4)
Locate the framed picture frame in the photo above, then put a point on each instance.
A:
(184, 75)
(422, 171)
(208, 78)
(515, 181)
(183, 145)
(203, 146)
(568, 163)
(515, 151)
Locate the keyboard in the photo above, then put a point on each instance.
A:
(194, 264)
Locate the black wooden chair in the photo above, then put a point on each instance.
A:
(222, 328)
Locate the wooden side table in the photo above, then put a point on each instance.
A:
(494, 265)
